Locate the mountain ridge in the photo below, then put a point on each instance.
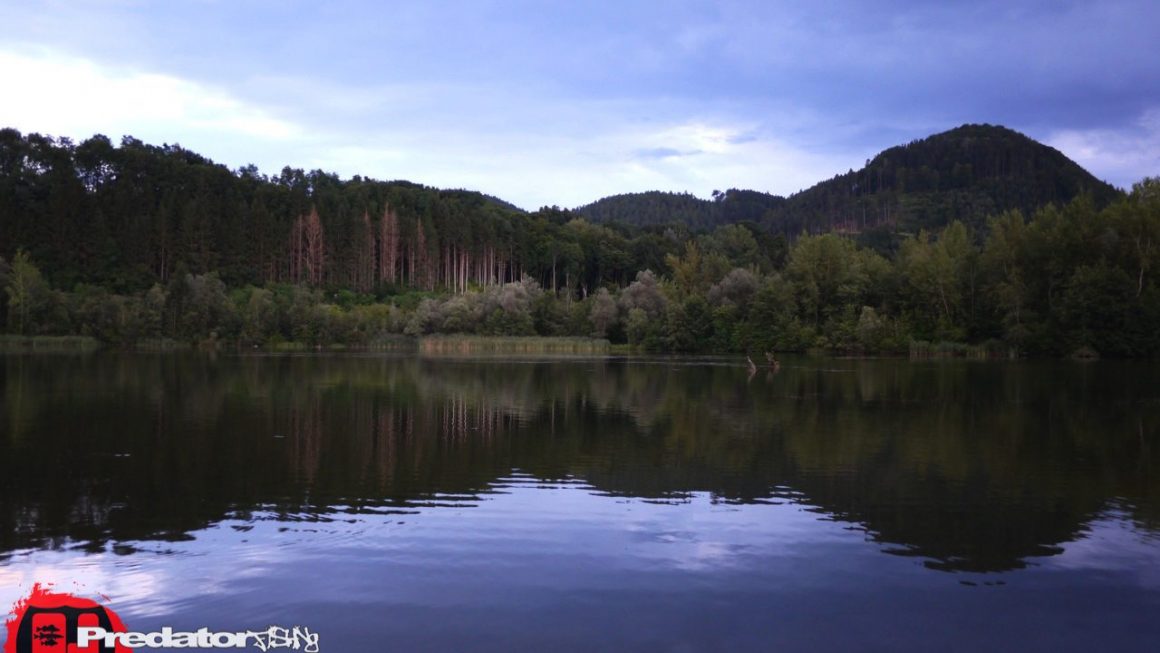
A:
(966, 173)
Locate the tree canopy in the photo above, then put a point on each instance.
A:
(137, 241)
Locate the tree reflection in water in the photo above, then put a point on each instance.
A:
(968, 466)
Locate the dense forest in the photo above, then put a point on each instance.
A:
(657, 208)
(979, 235)
(968, 174)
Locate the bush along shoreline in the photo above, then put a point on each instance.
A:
(1069, 281)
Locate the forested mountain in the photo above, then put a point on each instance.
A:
(129, 216)
(137, 242)
(659, 208)
(967, 174)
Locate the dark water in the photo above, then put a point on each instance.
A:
(649, 504)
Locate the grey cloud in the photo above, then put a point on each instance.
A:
(664, 153)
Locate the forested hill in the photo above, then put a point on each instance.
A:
(134, 242)
(128, 216)
(966, 174)
(655, 207)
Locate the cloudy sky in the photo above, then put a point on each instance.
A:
(552, 102)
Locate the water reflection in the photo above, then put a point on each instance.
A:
(965, 467)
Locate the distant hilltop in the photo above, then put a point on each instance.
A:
(967, 174)
(978, 242)
(130, 215)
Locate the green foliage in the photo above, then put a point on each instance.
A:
(646, 294)
(1095, 309)
(658, 208)
(734, 291)
(828, 272)
(198, 308)
(689, 325)
(47, 344)
(602, 312)
(508, 346)
(694, 272)
(162, 245)
(28, 295)
(258, 312)
(966, 174)
(637, 326)
(938, 281)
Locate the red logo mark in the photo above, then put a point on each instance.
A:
(47, 622)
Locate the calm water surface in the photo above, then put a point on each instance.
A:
(402, 503)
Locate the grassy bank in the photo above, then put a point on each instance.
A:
(921, 349)
(47, 344)
(533, 345)
(403, 344)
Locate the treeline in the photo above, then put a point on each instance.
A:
(128, 217)
(361, 432)
(1069, 279)
(141, 242)
(659, 208)
(968, 174)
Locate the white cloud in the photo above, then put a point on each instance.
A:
(523, 145)
(537, 165)
(1120, 156)
(64, 95)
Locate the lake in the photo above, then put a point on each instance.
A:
(577, 504)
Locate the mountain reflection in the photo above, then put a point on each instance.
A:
(978, 467)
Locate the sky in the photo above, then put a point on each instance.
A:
(554, 102)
